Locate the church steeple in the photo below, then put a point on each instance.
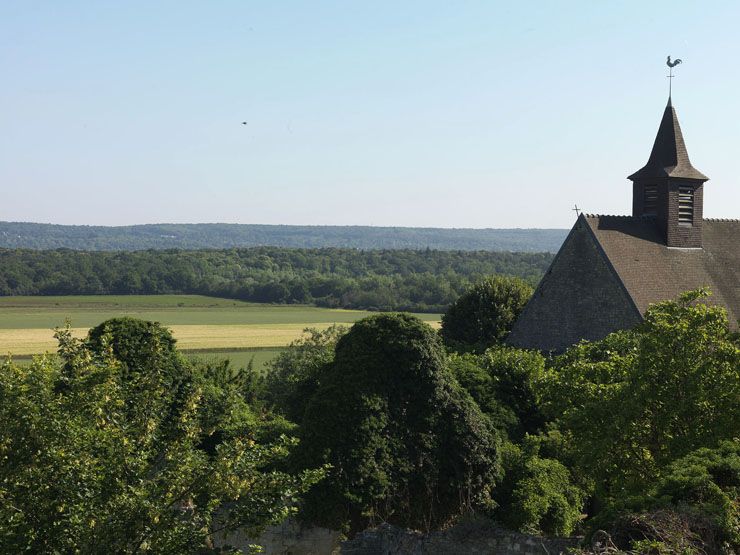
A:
(669, 157)
(669, 188)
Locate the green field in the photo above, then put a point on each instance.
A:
(203, 326)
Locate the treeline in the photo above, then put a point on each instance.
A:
(221, 236)
(408, 280)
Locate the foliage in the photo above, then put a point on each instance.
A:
(477, 381)
(17, 235)
(705, 485)
(417, 281)
(701, 491)
(100, 456)
(485, 313)
(638, 400)
(295, 374)
(515, 375)
(660, 532)
(133, 341)
(537, 495)
(504, 382)
(406, 443)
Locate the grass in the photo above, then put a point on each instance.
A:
(203, 326)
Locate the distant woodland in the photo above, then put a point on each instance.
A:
(410, 280)
(221, 236)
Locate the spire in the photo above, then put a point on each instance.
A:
(669, 157)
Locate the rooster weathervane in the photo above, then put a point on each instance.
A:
(671, 65)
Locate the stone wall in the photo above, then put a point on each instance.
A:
(474, 536)
(288, 538)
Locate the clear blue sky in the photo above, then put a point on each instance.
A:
(410, 113)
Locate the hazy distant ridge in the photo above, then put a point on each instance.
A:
(200, 236)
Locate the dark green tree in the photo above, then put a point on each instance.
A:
(405, 442)
(484, 315)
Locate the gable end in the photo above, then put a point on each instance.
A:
(580, 297)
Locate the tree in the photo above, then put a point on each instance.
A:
(405, 442)
(638, 400)
(89, 466)
(294, 375)
(484, 314)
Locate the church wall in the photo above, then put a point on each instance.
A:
(579, 297)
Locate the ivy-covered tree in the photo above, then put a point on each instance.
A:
(484, 315)
(405, 442)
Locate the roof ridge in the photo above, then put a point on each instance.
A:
(622, 216)
(722, 219)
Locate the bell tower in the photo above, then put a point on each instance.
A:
(669, 189)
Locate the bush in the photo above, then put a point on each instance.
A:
(706, 483)
(537, 495)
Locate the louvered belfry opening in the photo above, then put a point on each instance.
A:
(650, 200)
(669, 189)
(685, 205)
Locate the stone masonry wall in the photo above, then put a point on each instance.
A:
(475, 536)
(287, 538)
(472, 536)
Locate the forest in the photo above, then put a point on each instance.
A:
(410, 280)
(221, 236)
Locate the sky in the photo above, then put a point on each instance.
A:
(401, 113)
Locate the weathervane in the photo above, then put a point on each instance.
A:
(671, 65)
(577, 210)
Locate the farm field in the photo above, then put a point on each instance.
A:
(203, 326)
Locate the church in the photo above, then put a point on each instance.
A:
(611, 268)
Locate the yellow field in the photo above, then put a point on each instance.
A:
(200, 324)
(191, 337)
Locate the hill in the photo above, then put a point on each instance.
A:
(220, 236)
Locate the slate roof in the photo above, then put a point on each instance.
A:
(669, 157)
(652, 272)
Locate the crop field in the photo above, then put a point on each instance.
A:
(203, 326)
